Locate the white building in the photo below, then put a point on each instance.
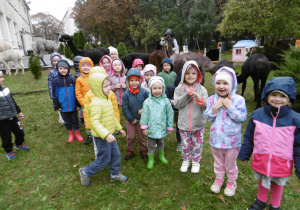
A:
(15, 25)
(69, 22)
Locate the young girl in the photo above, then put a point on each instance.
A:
(138, 64)
(227, 111)
(189, 98)
(105, 62)
(117, 79)
(157, 119)
(133, 100)
(273, 136)
(149, 72)
(113, 52)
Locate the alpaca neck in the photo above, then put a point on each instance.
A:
(73, 48)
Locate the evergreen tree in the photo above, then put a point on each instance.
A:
(34, 66)
(76, 39)
(81, 40)
(68, 52)
(88, 46)
(122, 49)
(61, 49)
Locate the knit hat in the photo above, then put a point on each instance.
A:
(148, 68)
(155, 79)
(282, 92)
(112, 49)
(226, 76)
(61, 63)
(169, 61)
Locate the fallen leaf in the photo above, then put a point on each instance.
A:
(205, 183)
(246, 179)
(27, 162)
(222, 198)
(244, 200)
(52, 197)
(16, 191)
(175, 192)
(175, 199)
(123, 191)
(167, 192)
(75, 165)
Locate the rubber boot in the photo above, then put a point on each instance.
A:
(71, 136)
(78, 136)
(161, 156)
(150, 161)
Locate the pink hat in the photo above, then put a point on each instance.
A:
(137, 62)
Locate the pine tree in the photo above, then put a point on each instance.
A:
(81, 40)
(34, 66)
(68, 52)
(88, 46)
(122, 49)
(76, 39)
(61, 49)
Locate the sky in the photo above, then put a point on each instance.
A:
(57, 8)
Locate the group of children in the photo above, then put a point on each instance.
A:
(151, 103)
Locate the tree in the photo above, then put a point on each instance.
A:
(270, 18)
(61, 49)
(122, 49)
(75, 39)
(46, 25)
(68, 52)
(87, 46)
(81, 40)
(34, 66)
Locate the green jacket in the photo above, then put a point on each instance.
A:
(169, 78)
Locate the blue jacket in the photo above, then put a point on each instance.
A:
(64, 92)
(132, 103)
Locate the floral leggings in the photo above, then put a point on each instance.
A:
(192, 143)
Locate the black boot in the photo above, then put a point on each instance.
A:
(274, 208)
(258, 205)
(88, 140)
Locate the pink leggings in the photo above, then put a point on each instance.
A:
(276, 193)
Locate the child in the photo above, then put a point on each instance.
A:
(64, 99)
(105, 62)
(189, 98)
(227, 111)
(170, 95)
(9, 122)
(117, 79)
(138, 64)
(133, 100)
(82, 86)
(103, 125)
(157, 119)
(167, 74)
(149, 72)
(113, 52)
(273, 136)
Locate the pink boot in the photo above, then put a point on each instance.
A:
(78, 136)
(71, 136)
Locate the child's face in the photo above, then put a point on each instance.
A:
(105, 63)
(157, 89)
(1, 79)
(113, 55)
(277, 99)
(63, 70)
(149, 75)
(54, 61)
(106, 87)
(117, 66)
(167, 67)
(222, 88)
(86, 67)
(133, 82)
(190, 76)
(139, 67)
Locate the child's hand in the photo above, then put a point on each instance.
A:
(123, 133)
(196, 96)
(124, 86)
(217, 106)
(135, 122)
(145, 132)
(227, 102)
(140, 111)
(21, 115)
(118, 86)
(78, 109)
(172, 102)
(59, 109)
(110, 138)
(170, 131)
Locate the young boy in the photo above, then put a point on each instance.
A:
(167, 74)
(9, 122)
(103, 125)
(64, 99)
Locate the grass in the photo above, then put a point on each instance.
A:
(47, 176)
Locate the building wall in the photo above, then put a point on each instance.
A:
(15, 25)
(69, 23)
(238, 54)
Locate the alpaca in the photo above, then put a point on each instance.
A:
(15, 57)
(258, 67)
(94, 54)
(129, 58)
(221, 64)
(4, 46)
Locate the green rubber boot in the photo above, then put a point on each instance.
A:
(161, 155)
(150, 161)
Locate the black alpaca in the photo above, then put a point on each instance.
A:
(129, 58)
(258, 67)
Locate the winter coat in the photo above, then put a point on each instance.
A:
(118, 79)
(64, 92)
(8, 106)
(191, 114)
(132, 103)
(82, 85)
(171, 89)
(274, 140)
(226, 124)
(169, 77)
(148, 68)
(157, 115)
(52, 75)
(101, 113)
(108, 70)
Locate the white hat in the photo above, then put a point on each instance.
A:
(112, 49)
(226, 76)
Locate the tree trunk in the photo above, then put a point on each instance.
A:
(146, 50)
(274, 40)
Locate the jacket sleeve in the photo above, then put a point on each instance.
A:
(297, 152)
(87, 101)
(50, 81)
(112, 84)
(170, 115)
(208, 112)
(247, 146)
(181, 101)
(170, 92)
(144, 121)
(16, 105)
(78, 92)
(238, 113)
(125, 108)
(55, 98)
(96, 125)
(114, 101)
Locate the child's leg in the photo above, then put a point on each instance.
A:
(178, 138)
(219, 163)
(262, 193)
(68, 120)
(18, 131)
(142, 138)
(74, 120)
(186, 144)
(230, 164)
(196, 145)
(130, 136)
(115, 162)
(5, 133)
(276, 194)
(160, 144)
(151, 145)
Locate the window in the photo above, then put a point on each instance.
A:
(238, 51)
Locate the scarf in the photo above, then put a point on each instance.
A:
(134, 91)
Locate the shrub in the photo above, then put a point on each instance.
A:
(61, 49)
(34, 66)
(88, 46)
(68, 52)
(81, 40)
(122, 49)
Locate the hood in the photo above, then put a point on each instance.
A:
(178, 78)
(111, 66)
(53, 55)
(96, 81)
(169, 61)
(83, 60)
(232, 73)
(152, 81)
(105, 56)
(185, 67)
(135, 72)
(137, 62)
(113, 49)
(63, 62)
(97, 69)
(76, 61)
(285, 84)
(149, 67)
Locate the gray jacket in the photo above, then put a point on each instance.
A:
(8, 106)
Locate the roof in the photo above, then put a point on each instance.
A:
(245, 43)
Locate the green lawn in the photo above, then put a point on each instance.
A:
(47, 176)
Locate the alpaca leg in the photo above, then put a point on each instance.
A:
(244, 86)
(256, 89)
(43, 61)
(6, 67)
(16, 64)
(21, 65)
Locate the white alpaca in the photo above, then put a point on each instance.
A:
(4, 46)
(15, 57)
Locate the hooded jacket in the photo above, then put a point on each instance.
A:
(132, 103)
(117, 79)
(82, 86)
(53, 73)
(8, 106)
(64, 91)
(157, 115)
(171, 89)
(190, 116)
(148, 68)
(169, 77)
(89, 97)
(108, 70)
(274, 141)
(226, 124)
(103, 120)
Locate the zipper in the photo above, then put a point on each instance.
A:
(66, 93)
(191, 112)
(120, 90)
